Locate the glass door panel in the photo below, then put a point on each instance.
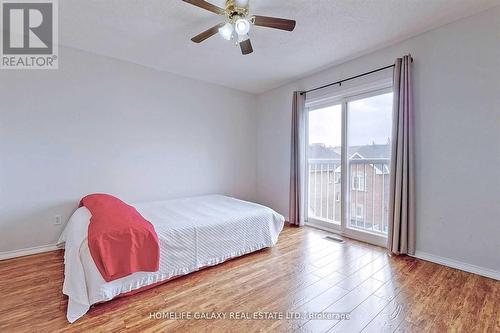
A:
(369, 126)
(324, 164)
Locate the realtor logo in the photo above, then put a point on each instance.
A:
(29, 34)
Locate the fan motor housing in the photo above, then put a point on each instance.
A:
(233, 11)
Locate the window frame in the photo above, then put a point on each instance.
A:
(361, 183)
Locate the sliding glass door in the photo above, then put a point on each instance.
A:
(348, 165)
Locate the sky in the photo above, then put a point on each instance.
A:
(369, 121)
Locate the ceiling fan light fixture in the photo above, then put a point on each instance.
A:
(238, 22)
(226, 31)
(242, 26)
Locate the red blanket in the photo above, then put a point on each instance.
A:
(120, 240)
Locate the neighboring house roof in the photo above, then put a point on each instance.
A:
(320, 151)
(371, 151)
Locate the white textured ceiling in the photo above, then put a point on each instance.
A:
(156, 33)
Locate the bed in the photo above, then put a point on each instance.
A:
(193, 233)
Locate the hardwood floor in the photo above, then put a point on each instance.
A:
(304, 273)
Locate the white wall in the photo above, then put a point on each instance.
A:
(457, 106)
(102, 125)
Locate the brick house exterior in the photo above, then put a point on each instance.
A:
(368, 185)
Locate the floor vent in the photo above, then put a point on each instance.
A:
(335, 239)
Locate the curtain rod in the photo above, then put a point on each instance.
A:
(348, 79)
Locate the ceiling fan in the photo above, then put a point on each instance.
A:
(238, 23)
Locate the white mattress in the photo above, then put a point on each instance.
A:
(193, 233)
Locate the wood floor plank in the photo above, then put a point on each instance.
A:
(304, 274)
(345, 304)
(361, 315)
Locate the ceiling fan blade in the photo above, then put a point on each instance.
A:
(206, 5)
(246, 47)
(207, 33)
(274, 22)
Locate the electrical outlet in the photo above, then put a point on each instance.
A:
(58, 220)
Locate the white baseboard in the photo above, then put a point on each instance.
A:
(29, 251)
(487, 272)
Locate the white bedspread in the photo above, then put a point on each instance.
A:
(193, 233)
